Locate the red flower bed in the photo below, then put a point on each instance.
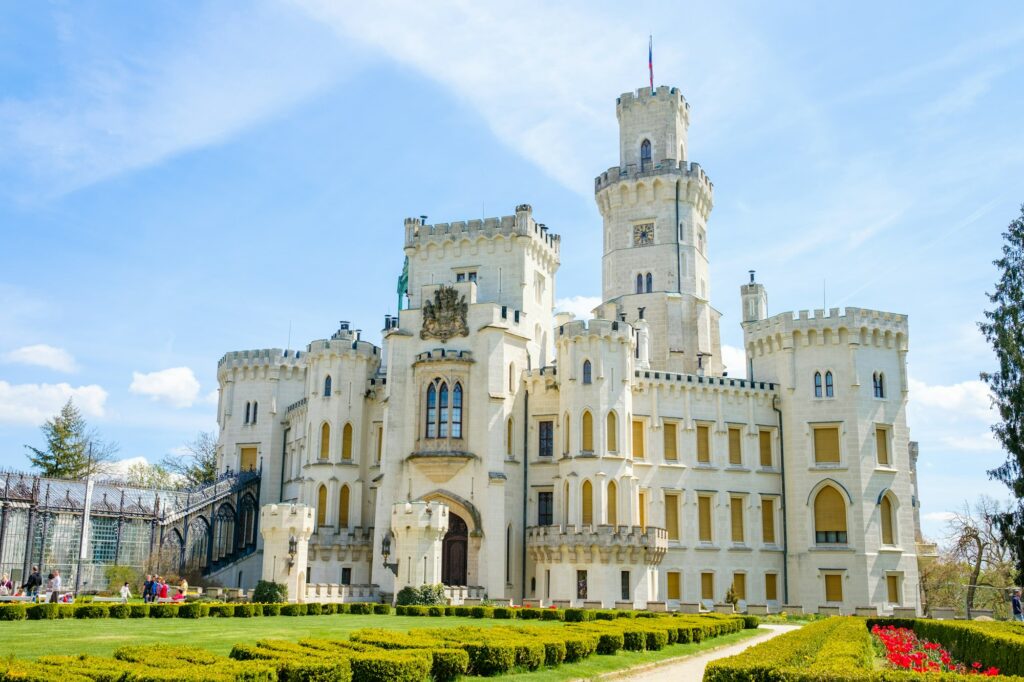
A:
(905, 651)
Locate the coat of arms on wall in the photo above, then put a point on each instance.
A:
(445, 316)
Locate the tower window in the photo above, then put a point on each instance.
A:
(650, 283)
(639, 284)
(255, 408)
(327, 386)
(248, 408)
(828, 385)
(587, 372)
(645, 155)
(817, 384)
(878, 382)
(547, 438)
(444, 410)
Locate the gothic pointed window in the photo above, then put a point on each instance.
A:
(442, 421)
(828, 385)
(645, 155)
(829, 517)
(650, 283)
(457, 411)
(881, 385)
(431, 411)
(325, 441)
(346, 442)
(817, 384)
(343, 504)
(639, 284)
(587, 372)
(255, 407)
(327, 386)
(248, 407)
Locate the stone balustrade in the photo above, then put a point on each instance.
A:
(332, 593)
(590, 544)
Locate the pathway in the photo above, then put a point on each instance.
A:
(691, 669)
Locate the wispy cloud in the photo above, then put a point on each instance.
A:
(32, 404)
(177, 386)
(580, 306)
(42, 355)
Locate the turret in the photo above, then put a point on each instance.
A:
(755, 300)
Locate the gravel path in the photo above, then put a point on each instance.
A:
(692, 669)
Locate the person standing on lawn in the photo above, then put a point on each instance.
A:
(55, 585)
(1017, 613)
(147, 589)
(31, 586)
(126, 593)
(163, 588)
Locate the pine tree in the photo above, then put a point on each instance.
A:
(1004, 330)
(67, 445)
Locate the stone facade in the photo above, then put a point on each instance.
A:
(531, 456)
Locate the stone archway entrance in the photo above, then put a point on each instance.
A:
(454, 551)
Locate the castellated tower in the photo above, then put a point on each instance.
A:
(655, 208)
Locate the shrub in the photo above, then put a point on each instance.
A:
(65, 611)
(314, 609)
(554, 652)
(625, 614)
(222, 610)
(504, 613)
(609, 642)
(163, 610)
(390, 667)
(381, 609)
(448, 664)
(341, 608)
(634, 640)
(360, 608)
(552, 614)
(401, 609)
(478, 611)
(463, 611)
(579, 647)
(194, 610)
(578, 615)
(267, 592)
(751, 622)
(293, 609)
(12, 612)
(435, 610)
(529, 614)
(495, 658)
(271, 609)
(246, 610)
(41, 612)
(605, 615)
(139, 610)
(91, 611)
(407, 596)
(449, 610)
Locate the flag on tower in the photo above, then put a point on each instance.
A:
(650, 58)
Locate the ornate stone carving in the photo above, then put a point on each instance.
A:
(445, 316)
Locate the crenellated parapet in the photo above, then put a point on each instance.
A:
(261, 364)
(604, 329)
(344, 343)
(851, 325)
(593, 544)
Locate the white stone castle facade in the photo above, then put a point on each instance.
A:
(509, 451)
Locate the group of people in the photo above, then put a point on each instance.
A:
(155, 588)
(34, 586)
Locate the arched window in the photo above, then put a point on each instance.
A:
(442, 414)
(829, 517)
(587, 373)
(588, 431)
(457, 411)
(613, 432)
(431, 411)
(613, 504)
(325, 441)
(650, 283)
(817, 384)
(248, 408)
(878, 382)
(587, 500)
(255, 408)
(828, 385)
(886, 513)
(321, 506)
(565, 434)
(645, 155)
(327, 386)
(343, 498)
(224, 533)
(508, 437)
(346, 442)
(639, 284)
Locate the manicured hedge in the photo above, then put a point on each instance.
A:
(271, 609)
(163, 610)
(12, 612)
(193, 610)
(360, 608)
(380, 609)
(42, 612)
(293, 610)
(92, 611)
(139, 610)
(222, 610)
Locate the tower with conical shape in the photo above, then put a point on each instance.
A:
(655, 207)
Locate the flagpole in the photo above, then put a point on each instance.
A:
(650, 58)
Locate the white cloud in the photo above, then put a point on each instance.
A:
(941, 516)
(967, 398)
(735, 361)
(176, 385)
(120, 468)
(32, 404)
(42, 355)
(580, 306)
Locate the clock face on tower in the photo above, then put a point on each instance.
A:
(643, 235)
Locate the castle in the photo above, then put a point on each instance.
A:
(507, 451)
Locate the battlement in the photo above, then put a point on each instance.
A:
(648, 376)
(595, 327)
(662, 93)
(521, 224)
(265, 357)
(344, 341)
(445, 354)
(679, 169)
(852, 321)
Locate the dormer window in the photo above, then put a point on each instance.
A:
(645, 155)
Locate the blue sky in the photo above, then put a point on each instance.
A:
(182, 179)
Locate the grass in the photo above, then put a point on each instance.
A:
(33, 638)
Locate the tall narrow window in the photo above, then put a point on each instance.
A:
(649, 280)
(545, 508)
(643, 509)
(624, 585)
(670, 435)
(703, 444)
(612, 428)
(327, 386)
(343, 498)
(888, 536)
(736, 513)
(325, 441)
(768, 520)
(828, 385)
(587, 502)
(765, 445)
(672, 515)
(817, 384)
(704, 518)
(833, 587)
(255, 409)
(346, 443)
(457, 411)
(881, 385)
(707, 586)
(826, 445)
(442, 414)
(588, 431)
(892, 585)
(546, 438)
(613, 504)
(248, 408)
(508, 553)
(321, 506)
(882, 446)
(735, 447)
(829, 517)
(512, 377)
(587, 373)
(639, 452)
(645, 155)
(771, 586)
(565, 434)
(431, 411)
(739, 585)
(673, 585)
(639, 284)
(380, 442)
(508, 437)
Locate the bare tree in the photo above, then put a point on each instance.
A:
(198, 464)
(974, 538)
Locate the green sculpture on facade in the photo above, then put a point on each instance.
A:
(403, 282)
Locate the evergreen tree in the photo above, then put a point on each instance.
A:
(1004, 329)
(67, 444)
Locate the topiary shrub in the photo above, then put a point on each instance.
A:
(119, 610)
(246, 610)
(360, 608)
(634, 640)
(435, 610)
(604, 615)
(449, 610)
(382, 609)
(222, 610)
(496, 658)
(529, 614)
(341, 608)
(194, 610)
(751, 622)
(91, 611)
(448, 664)
(578, 615)
(552, 614)
(42, 612)
(391, 666)
(271, 609)
(163, 610)
(13, 611)
(415, 610)
(407, 596)
(65, 611)
(478, 611)
(267, 592)
(293, 609)
(139, 610)
(609, 642)
(401, 610)
(463, 611)
(314, 609)
(625, 614)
